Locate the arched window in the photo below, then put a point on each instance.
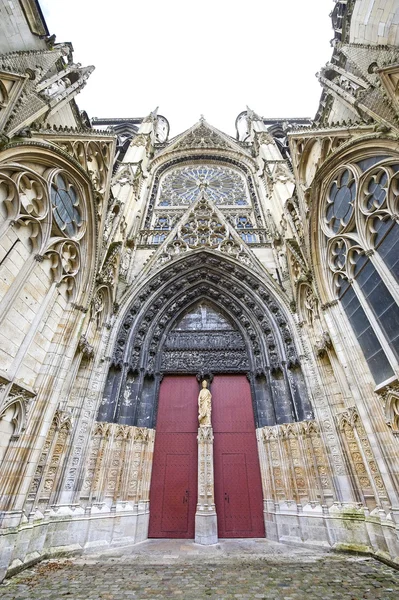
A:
(359, 215)
(244, 222)
(161, 223)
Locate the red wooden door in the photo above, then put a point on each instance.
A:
(173, 493)
(238, 488)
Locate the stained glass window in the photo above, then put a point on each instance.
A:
(65, 205)
(368, 341)
(364, 214)
(223, 185)
(340, 201)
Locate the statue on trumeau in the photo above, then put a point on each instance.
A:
(204, 406)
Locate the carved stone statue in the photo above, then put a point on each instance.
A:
(204, 406)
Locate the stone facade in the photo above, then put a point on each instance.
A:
(114, 239)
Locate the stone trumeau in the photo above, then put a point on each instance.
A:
(264, 264)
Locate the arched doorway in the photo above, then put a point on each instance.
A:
(204, 337)
(204, 314)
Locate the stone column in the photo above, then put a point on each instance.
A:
(206, 527)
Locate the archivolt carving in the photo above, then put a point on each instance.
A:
(235, 290)
(138, 357)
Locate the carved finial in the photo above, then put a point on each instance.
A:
(202, 119)
(152, 116)
(251, 114)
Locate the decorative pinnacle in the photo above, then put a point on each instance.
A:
(202, 118)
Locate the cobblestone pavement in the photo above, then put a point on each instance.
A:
(234, 569)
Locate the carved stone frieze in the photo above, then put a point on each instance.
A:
(362, 456)
(118, 464)
(195, 360)
(294, 462)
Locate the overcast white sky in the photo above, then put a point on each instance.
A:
(212, 57)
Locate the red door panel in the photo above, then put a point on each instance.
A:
(173, 493)
(237, 518)
(238, 488)
(232, 404)
(178, 402)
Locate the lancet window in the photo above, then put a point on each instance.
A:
(244, 223)
(360, 214)
(162, 224)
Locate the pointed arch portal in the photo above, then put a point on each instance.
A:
(205, 315)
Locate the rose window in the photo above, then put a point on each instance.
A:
(222, 185)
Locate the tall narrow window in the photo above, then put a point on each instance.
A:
(359, 221)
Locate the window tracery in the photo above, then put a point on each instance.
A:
(47, 211)
(223, 185)
(359, 223)
(65, 202)
(243, 222)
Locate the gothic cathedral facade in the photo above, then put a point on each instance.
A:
(134, 266)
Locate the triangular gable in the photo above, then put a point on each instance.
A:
(202, 226)
(11, 86)
(202, 136)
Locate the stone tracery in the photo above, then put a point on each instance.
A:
(359, 225)
(223, 185)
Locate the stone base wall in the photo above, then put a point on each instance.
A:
(340, 527)
(68, 530)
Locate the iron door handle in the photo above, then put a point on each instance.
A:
(185, 497)
(227, 498)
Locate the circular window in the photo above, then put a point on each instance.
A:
(65, 201)
(223, 185)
